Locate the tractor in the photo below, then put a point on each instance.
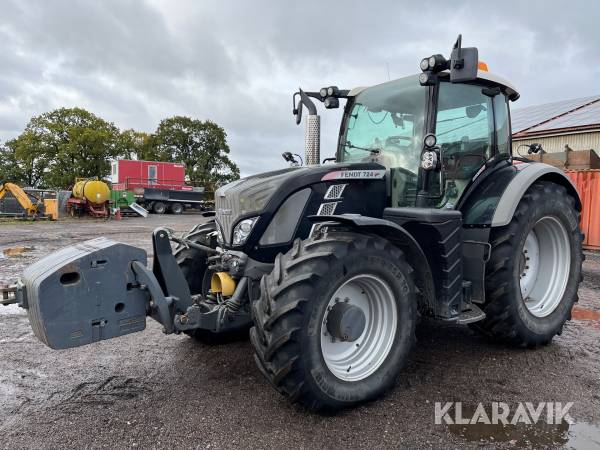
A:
(423, 212)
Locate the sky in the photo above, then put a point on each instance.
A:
(135, 62)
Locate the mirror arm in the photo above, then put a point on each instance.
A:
(459, 62)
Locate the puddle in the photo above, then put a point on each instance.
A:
(524, 434)
(579, 313)
(579, 435)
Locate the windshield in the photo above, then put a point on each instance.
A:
(385, 125)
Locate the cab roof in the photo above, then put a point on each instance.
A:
(511, 90)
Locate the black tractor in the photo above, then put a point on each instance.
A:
(423, 212)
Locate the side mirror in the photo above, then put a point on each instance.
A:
(464, 63)
(304, 101)
(298, 112)
(535, 148)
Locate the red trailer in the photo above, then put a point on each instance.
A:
(158, 186)
(129, 175)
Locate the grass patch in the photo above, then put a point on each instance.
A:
(14, 221)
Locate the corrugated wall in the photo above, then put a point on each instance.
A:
(588, 186)
(553, 144)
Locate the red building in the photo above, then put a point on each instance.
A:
(135, 175)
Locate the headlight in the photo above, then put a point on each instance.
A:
(431, 62)
(242, 230)
(220, 239)
(430, 140)
(429, 160)
(424, 64)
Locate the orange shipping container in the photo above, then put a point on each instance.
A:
(587, 183)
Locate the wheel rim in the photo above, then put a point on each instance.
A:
(354, 361)
(544, 266)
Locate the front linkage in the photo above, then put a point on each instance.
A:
(119, 292)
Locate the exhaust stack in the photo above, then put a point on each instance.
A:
(312, 136)
(312, 139)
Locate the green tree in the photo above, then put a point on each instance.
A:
(23, 161)
(61, 145)
(11, 169)
(137, 145)
(201, 146)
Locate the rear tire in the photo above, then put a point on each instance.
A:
(159, 208)
(537, 256)
(193, 263)
(291, 319)
(176, 208)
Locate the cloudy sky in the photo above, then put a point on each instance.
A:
(134, 62)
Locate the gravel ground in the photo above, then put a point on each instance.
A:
(152, 390)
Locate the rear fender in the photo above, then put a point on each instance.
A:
(399, 237)
(521, 182)
(492, 199)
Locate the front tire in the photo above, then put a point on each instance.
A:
(301, 353)
(534, 271)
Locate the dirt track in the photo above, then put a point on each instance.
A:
(152, 390)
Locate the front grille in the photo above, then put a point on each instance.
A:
(247, 196)
(225, 213)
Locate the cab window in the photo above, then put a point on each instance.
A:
(385, 124)
(464, 130)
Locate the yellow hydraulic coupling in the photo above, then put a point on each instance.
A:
(223, 283)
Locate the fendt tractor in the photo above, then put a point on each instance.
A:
(424, 211)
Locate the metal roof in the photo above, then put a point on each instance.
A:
(556, 115)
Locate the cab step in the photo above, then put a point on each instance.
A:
(473, 314)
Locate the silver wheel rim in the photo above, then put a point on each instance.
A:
(544, 266)
(354, 361)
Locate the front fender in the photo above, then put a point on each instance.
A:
(399, 237)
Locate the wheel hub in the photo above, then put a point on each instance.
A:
(346, 322)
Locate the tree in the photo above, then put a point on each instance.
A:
(201, 146)
(137, 145)
(11, 169)
(24, 161)
(61, 145)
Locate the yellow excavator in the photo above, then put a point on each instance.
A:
(32, 204)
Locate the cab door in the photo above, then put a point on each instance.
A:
(465, 134)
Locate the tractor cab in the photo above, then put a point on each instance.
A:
(433, 132)
(467, 123)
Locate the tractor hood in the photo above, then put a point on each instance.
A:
(251, 196)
